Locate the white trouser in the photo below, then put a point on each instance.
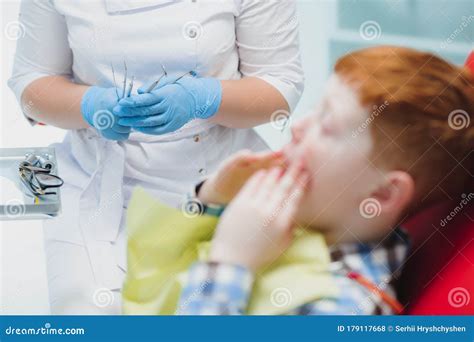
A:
(86, 256)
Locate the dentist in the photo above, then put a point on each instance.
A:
(246, 57)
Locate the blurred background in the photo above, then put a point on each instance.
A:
(329, 28)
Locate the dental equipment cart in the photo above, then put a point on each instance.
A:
(30, 185)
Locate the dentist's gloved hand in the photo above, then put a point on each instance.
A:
(97, 110)
(170, 106)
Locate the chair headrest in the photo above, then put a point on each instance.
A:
(470, 62)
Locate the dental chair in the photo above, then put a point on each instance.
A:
(438, 278)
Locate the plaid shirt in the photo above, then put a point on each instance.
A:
(224, 289)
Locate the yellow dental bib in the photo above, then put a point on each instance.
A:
(163, 243)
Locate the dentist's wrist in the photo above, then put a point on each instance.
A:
(207, 92)
(88, 104)
(214, 98)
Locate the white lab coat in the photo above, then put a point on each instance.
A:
(226, 39)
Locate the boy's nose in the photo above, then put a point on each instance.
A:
(299, 129)
(297, 132)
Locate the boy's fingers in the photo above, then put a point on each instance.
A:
(292, 204)
(251, 162)
(287, 182)
(295, 169)
(262, 160)
(268, 155)
(233, 162)
(271, 162)
(243, 154)
(268, 184)
(238, 158)
(252, 185)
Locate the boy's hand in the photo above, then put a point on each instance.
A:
(222, 186)
(258, 224)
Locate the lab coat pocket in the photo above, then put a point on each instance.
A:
(119, 6)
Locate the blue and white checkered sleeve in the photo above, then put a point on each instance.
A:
(216, 289)
(352, 300)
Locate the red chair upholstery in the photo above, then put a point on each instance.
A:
(438, 278)
(470, 61)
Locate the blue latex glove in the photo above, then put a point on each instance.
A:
(170, 106)
(97, 109)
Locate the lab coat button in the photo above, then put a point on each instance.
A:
(196, 138)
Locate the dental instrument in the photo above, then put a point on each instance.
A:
(124, 79)
(126, 92)
(115, 81)
(154, 84)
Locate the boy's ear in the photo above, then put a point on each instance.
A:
(396, 192)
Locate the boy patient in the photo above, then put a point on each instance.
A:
(390, 137)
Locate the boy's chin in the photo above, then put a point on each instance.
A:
(308, 222)
(301, 220)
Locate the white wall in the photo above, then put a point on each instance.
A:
(23, 285)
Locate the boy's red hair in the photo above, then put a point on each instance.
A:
(425, 123)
